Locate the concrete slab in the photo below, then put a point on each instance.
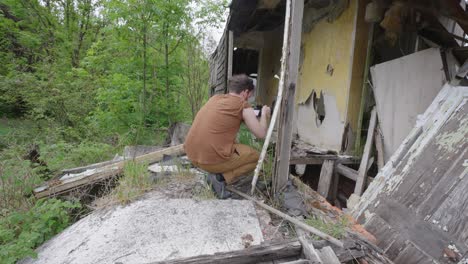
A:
(155, 229)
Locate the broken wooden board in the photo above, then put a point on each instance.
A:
(362, 172)
(71, 181)
(326, 177)
(416, 206)
(253, 254)
(403, 89)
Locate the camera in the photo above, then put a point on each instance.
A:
(258, 109)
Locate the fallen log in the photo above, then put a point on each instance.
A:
(72, 181)
(254, 254)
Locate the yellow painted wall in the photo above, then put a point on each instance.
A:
(270, 64)
(328, 44)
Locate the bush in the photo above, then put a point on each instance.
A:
(17, 180)
(21, 232)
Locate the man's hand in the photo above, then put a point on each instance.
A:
(266, 111)
(257, 127)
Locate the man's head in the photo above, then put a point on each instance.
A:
(242, 85)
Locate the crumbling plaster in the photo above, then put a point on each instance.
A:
(327, 65)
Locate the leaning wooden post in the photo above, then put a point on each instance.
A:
(292, 220)
(285, 123)
(278, 97)
(362, 172)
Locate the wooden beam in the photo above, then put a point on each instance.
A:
(379, 147)
(276, 109)
(253, 254)
(283, 145)
(347, 172)
(326, 176)
(230, 60)
(362, 172)
(299, 261)
(308, 249)
(364, 87)
(317, 159)
(298, 223)
(328, 256)
(64, 185)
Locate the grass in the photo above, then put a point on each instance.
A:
(134, 182)
(205, 193)
(334, 229)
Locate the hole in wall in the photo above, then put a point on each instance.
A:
(319, 107)
(330, 69)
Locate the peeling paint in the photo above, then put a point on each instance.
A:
(449, 141)
(387, 180)
(327, 133)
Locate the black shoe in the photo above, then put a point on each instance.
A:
(218, 185)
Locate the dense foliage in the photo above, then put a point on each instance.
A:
(80, 79)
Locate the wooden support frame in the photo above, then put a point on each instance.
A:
(362, 172)
(283, 145)
(326, 178)
(230, 51)
(317, 159)
(379, 147)
(347, 172)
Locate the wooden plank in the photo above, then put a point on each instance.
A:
(412, 227)
(308, 249)
(92, 166)
(254, 254)
(61, 186)
(328, 256)
(300, 224)
(379, 148)
(412, 254)
(334, 187)
(230, 53)
(452, 214)
(364, 87)
(283, 145)
(434, 173)
(299, 261)
(326, 178)
(317, 159)
(347, 172)
(362, 172)
(281, 89)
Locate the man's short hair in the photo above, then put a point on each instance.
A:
(239, 83)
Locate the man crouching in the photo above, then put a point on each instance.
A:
(210, 143)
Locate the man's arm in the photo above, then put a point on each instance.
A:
(257, 127)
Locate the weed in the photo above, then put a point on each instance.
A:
(204, 193)
(134, 182)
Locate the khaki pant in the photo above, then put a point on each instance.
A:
(243, 160)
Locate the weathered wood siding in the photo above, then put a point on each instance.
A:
(417, 206)
(219, 66)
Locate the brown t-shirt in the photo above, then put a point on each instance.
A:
(213, 132)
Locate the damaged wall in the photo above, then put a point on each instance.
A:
(332, 66)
